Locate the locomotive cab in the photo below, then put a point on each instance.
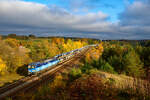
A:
(31, 69)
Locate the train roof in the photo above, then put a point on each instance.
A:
(34, 63)
(40, 63)
(47, 60)
(58, 55)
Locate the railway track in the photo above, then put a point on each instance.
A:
(10, 86)
(29, 82)
(50, 77)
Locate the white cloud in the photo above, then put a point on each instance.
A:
(136, 14)
(29, 14)
(20, 16)
(135, 19)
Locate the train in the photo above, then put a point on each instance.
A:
(37, 67)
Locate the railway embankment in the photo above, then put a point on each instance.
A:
(33, 81)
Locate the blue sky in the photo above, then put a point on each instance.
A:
(110, 7)
(102, 19)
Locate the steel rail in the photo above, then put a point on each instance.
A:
(23, 83)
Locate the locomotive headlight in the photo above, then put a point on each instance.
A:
(29, 66)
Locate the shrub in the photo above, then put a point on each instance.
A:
(74, 74)
(3, 67)
(91, 87)
(108, 68)
(86, 67)
(133, 65)
(43, 91)
(94, 71)
(116, 63)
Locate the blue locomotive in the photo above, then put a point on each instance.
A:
(37, 67)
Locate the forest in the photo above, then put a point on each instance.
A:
(17, 52)
(114, 70)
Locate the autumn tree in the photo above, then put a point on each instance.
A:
(12, 35)
(3, 67)
(13, 55)
(95, 53)
(133, 65)
(71, 45)
(32, 36)
(12, 42)
(58, 40)
(123, 59)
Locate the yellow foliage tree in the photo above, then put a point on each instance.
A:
(57, 83)
(88, 58)
(3, 67)
(58, 40)
(53, 49)
(95, 53)
(71, 45)
(12, 42)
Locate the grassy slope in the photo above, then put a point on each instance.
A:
(87, 83)
(123, 81)
(9, 78)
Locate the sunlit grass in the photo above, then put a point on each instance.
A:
(125, 82)
(9, 78)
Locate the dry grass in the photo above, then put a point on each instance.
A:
(9, 78)
(126, 82)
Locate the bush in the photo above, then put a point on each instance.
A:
(91, 87)
(116, 63)
(133, 65)
(74, 74)
(94, 71)
(3, 67)
(86, 68)
(108, 68)
(122, 59)
(43, 91)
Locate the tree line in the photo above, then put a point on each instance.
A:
(18, 51)
(122, 58)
